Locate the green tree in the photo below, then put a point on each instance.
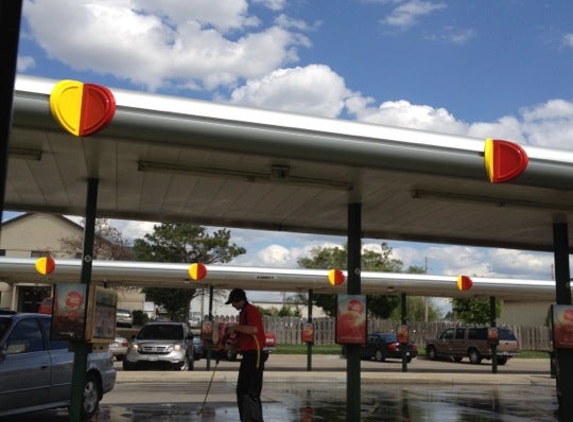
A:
(182, 243)
(336, 257)
(474, 311)
(416, 309)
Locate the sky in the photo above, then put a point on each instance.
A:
(488, 68)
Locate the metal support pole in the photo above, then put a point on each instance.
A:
(309, 345)
(353, 392)
(564, 357)
(492, 320)
(10, 17)
(81, 349)
(210, 342)
(403, 312)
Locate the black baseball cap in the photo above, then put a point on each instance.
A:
(236, 295)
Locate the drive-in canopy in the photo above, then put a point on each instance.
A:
(177, 159)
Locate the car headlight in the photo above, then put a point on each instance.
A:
(177, 347)
(135, 347)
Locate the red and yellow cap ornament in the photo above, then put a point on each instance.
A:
(336, 277)
(504, 160)
(464, 283)
(82, 109)
(197, 271)
(45, 265)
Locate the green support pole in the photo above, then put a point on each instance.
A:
(403, 312)
(10, 17)
(353, 393)
(564, 357)
(492, 319)
(210, 342)
(309, 345)
(81, 349)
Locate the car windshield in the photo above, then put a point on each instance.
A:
(161, 332)
(391, 338)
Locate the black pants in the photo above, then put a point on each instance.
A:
(249, 387)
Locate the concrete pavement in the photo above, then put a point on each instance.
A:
(331, 369)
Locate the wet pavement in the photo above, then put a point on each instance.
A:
(429, 391)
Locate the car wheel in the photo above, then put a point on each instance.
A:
(379, 356)
(431, 352)
(501, 360)
(119, 358)
(409, 359)
(265, 356)
(92, 394)
(184, 366)
(457, 359)
(475, 357)
(192, 364)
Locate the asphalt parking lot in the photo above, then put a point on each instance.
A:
(429, 391)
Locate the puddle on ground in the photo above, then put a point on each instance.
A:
(327, 402)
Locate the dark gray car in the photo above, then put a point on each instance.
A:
(36, 372)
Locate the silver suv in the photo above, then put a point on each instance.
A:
(36, 372)
(161, 345)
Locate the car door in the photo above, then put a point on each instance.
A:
(459, 344)
(371, 343)
(25, 367)
(444, 342)
(62, 366)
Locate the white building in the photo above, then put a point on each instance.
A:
(35, 235)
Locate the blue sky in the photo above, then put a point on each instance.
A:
(488, 68)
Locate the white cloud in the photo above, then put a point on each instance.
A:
(274, 256)
(454, 35)
(408, 14)
(403, 113)
(190, 44)
(568, 40)
(25, 63)
(272, 4)
(314, 89)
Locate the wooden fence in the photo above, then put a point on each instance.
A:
(288, 331)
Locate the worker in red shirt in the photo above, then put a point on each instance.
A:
(251, 341)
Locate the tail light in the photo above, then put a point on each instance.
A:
(393, 346)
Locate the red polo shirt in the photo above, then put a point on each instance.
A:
(250, 315)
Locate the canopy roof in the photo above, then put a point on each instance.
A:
(152, 274)
(177, 159)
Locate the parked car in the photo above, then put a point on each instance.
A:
(382, 346)
(119, 347)
(36, 372)
(123, 318)
(460, 342)
(161, 345)
(199, 347)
